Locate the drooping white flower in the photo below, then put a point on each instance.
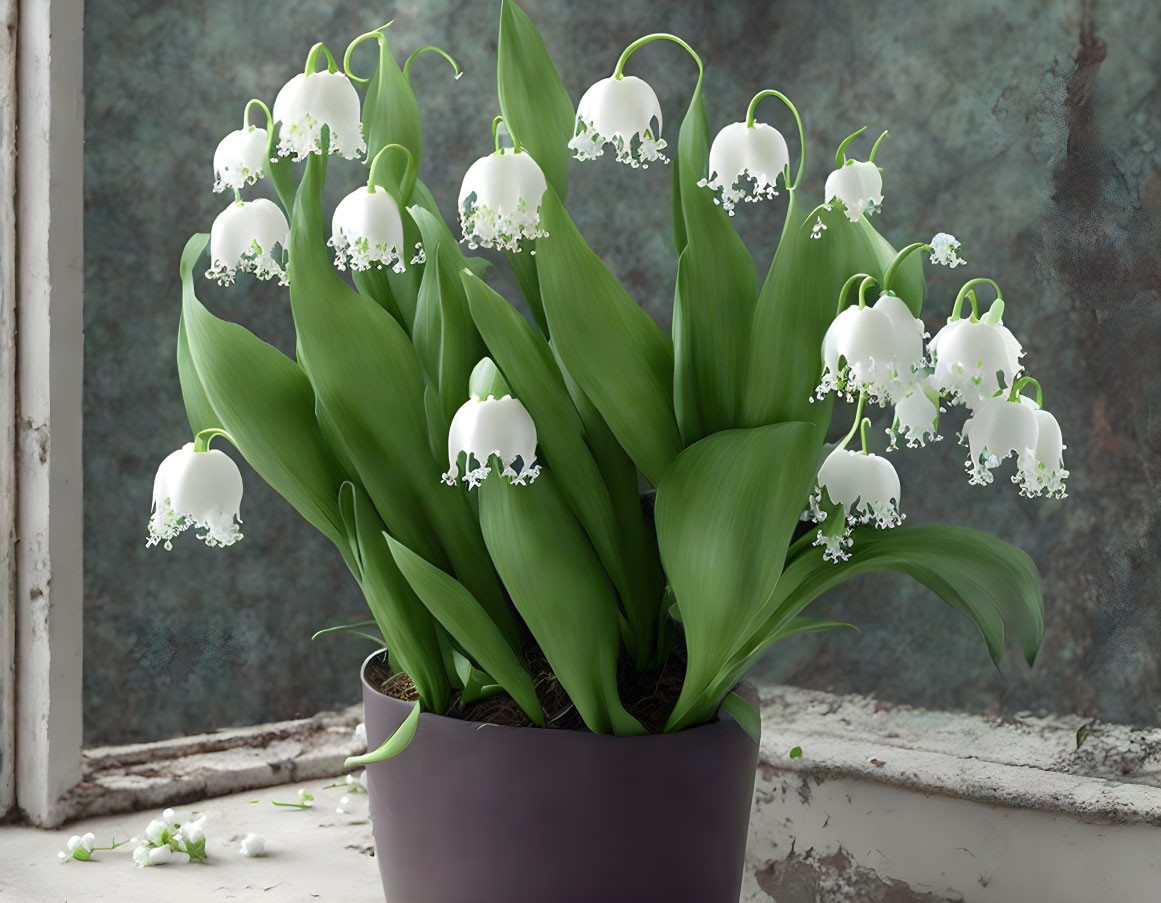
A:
(252, 845)
(997, 429)
(239, 158)
(360, 737)
(909, 355)
(1041, 470)
(306, 103)
(858, 185)
(757, 152)
(866, 489)
(620, 111)
(242, 239)
(500, 200)
(858, 354)
(141, 856)
(367, 230)
(484, 427)
(971, 357)
(159, 855)
(945, 250)
(155, 830)
(916, 416)
(196, 489)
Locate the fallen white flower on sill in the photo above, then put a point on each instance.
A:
(252, 845)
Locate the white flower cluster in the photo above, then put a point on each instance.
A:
(166, 836)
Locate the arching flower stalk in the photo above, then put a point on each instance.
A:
(197, 486)
(873, 349)
(491, 423)
(312, 100)
(853, 489)
(367, 227)
(622, 110)
(974, 359)
(499, 200)
(751, 150)
(856, 184)
(241, 155)
(242, 239)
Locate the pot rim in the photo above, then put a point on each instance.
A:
(722, 721)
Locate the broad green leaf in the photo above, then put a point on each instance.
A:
(535, 104)
(745, 713)
(796, 626)
(797, 303)
(393, 745)
(469, 625)
(524, 266)
(611, 347)
(713, 305)
(560, 589)
(367, 377)
(726, 512)
(264, 400)
(198, 410)
(534, 378)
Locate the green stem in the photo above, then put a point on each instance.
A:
(496, 135)
(411, 59)
(238, 197)
(840, 155)
(312, 59)
(875, 147)
(899, 258)
(202, 440)
(1019, 385)
(753, 109)
(378, 35)
(965, 290)
(854, 426)
(863, 424)
(659, 36)
(255, 102)
(409, 174)
(863, 286)
(845, 290)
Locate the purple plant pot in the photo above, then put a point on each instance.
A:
(473, 813)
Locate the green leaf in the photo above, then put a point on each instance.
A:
(713, 305)
(745, 713)
(350, 347)
(534, 378)
(726, 512)
(352, 629)
(1082, 734)
(264, 400)
(611, 347)
(533, 100)
(198, 409)
(798, 302)
(469, 625)
(560, 589)
(796, 626)
(796, 752)
(524, 267)
(393, 745)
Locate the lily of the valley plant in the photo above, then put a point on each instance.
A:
(479, 472)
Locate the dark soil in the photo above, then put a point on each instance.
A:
(648, 695)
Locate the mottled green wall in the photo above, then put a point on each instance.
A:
(1031, 130)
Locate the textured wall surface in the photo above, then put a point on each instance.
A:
(1031, 130)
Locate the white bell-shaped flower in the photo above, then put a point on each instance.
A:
(484, 427)
(196, 489)
(624, 112)
(970, 359)
(865, 486)
(858, 185)
(1041, 470)
(306, 103)
(757, 152)
(239, 158)
(242, 239)
(945, 250)
(858, 355)
(997, 429)
(916, 416)
(367, 230)
(909, 356)
(500, 200)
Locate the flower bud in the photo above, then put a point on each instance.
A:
(239, 158)
(621, 112)
(499, 200)
(242, 239)
(306, 103)
(858, 185)
(757, 152)
(367, 230)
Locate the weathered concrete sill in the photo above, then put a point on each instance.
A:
(1023, 762)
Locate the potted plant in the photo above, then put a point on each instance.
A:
(559, 698)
